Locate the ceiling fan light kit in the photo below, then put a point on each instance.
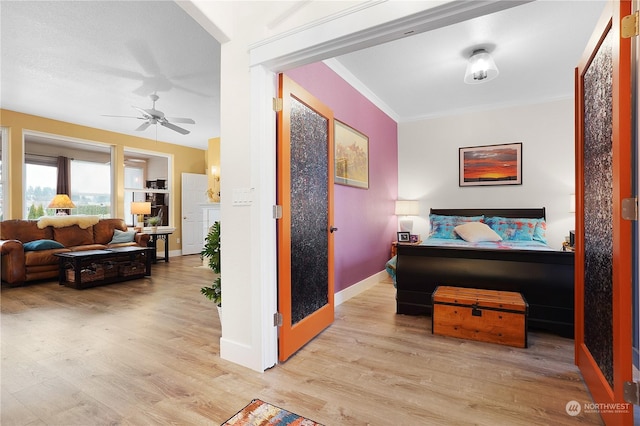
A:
(480, 68)
(153, 116)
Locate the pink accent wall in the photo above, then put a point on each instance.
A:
(364, 217)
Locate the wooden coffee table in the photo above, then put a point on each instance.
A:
(90, 268)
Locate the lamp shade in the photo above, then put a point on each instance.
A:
(61, 201)
(140, 207)
(480, 68)
(407, 208)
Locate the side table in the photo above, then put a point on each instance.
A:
(154, 236)
(394, 246)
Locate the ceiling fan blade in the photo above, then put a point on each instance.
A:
(174, 127)
(123, 116)
(144, 112)
(143, 126)
(181, 120)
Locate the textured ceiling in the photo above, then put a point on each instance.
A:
(536, 47)
(79, 61)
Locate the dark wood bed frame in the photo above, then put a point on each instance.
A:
(544, 278)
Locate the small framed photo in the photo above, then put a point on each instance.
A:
(404, 237)
(413, 238)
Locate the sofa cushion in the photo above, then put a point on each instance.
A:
(42, 257)
(73, 236)
(103, 230)
(23, 230)
(37, 245)
(88, 247)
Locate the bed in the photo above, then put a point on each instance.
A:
(544, 277)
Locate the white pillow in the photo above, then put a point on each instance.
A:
(475, 232)
(120, 237)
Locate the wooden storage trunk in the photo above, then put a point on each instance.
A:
(484, 315)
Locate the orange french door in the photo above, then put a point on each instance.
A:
(603, 338)
(305, 230)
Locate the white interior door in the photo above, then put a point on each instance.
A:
(194, 187)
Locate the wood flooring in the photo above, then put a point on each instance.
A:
(146, 352)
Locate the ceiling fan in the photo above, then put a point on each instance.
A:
(153, 116)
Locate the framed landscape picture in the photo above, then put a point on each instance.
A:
(491, 165)
(351, 153)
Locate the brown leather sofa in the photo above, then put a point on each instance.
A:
(20, 266)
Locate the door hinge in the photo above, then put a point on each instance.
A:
(277, 212)
(630, 26)
(277, 104)
(630, 209)
(631, 393)
(277, 319)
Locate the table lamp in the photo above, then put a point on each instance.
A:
(407, 208)
(61, 202)
(140, 208)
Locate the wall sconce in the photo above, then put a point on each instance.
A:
(214, 173)
(140, 208)
(480, 68)
(213, 193)
(61, 202)
(407, 208)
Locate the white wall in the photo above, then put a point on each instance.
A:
(260, 39)
(428, 162)
(249, 60)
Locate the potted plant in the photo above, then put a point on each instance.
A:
(211, 251)
(154, 221)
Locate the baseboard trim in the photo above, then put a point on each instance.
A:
(241, 354)
(357, 288)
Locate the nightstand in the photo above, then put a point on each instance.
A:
(394, 246)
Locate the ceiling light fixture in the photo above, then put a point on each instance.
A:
(480, 68)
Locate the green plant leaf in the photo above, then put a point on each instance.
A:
(211, 251)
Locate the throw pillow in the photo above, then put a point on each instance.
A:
(122, 236)
(514, 229)
(475, 232)
(41, 245)
(443, 226)
(540, 233)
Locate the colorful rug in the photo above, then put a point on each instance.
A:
(264, 414)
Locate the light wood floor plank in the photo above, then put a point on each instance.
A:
(146, 352)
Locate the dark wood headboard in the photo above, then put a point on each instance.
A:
(532, 213)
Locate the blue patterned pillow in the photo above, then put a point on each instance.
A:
(444, 226)
(540, 233)
(41, 245)
(514, 229)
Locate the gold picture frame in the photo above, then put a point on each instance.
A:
(351, 156)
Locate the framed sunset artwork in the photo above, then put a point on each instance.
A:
(491, 165)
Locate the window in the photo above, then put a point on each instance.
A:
(3, 178)
(40, 188)
(91, 187)
(145, 179)
(133, 179)
(89, 174)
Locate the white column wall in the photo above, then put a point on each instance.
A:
(278, 36)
